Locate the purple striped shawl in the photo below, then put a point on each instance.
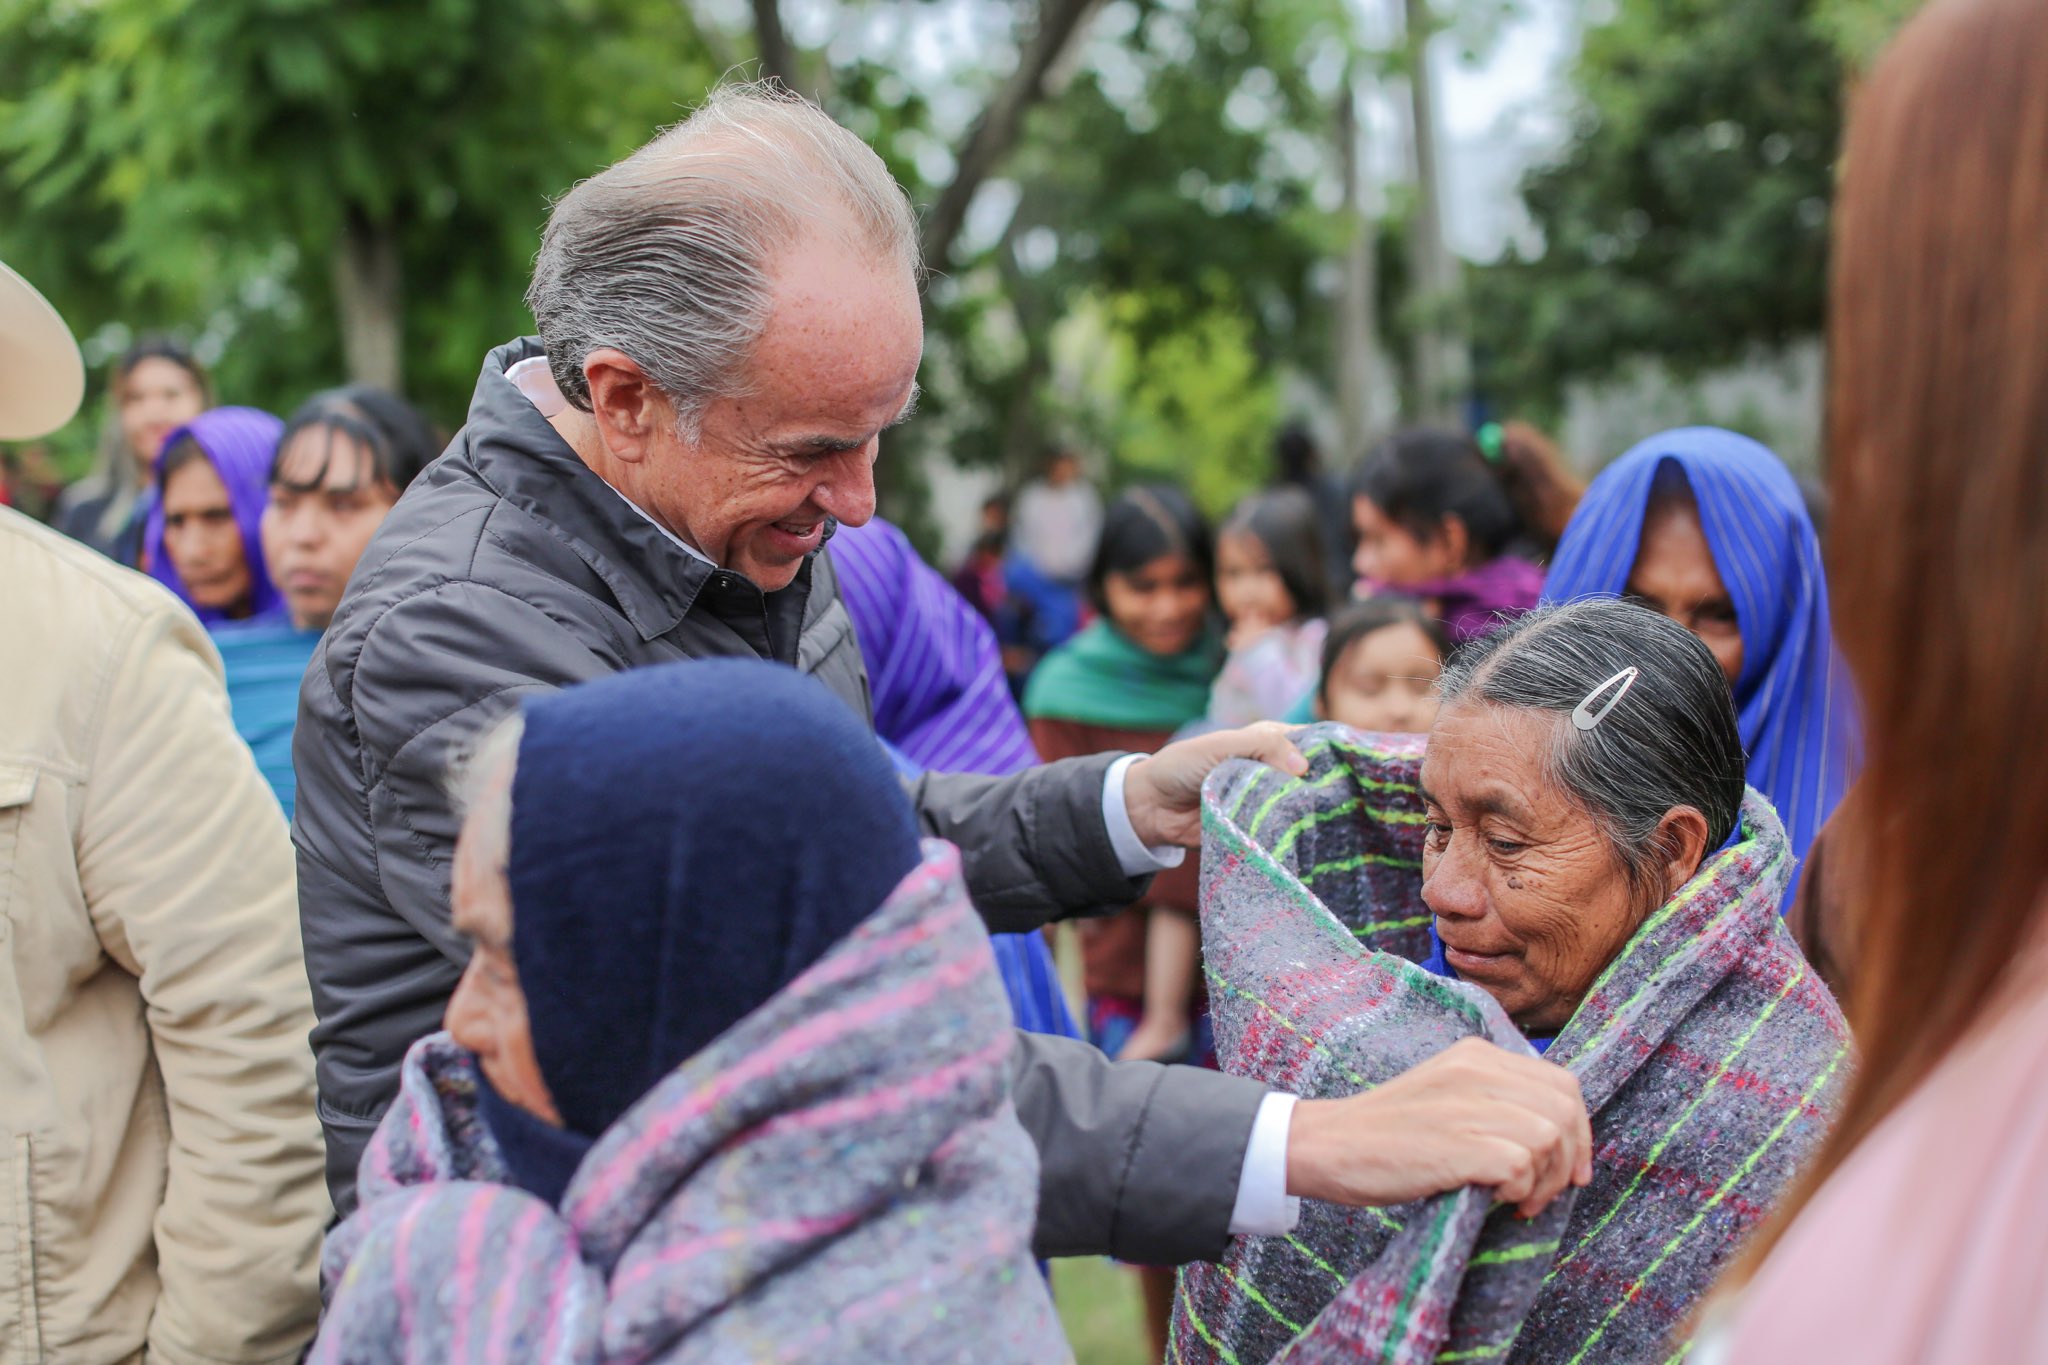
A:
(940, 694)
(1712, 1061)
(840, 1176)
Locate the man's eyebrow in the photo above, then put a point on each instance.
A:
(835, 444)
(840, 444)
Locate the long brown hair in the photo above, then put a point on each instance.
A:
(1938, 451)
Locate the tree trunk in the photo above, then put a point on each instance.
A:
(1440, 364)
(778, 58)
(1357, 331)
(370, 300)
(995, 132)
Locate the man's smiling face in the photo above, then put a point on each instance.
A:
(835, 366)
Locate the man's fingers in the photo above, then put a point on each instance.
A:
(1269, 743)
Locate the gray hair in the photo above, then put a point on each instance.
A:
(479, 785)
(1670, 741)
(667, 255)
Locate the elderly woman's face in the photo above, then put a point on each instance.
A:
(487, 1013)
(1530, 900)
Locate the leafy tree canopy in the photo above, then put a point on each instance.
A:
(1687, 217)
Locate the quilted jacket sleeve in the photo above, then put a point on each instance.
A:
(1136, 1160)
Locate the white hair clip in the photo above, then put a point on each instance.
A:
(1585, 717)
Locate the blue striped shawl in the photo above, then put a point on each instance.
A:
(1793, 699)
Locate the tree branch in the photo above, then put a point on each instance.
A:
(778, 58)
(995, 132)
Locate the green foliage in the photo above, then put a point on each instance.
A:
(1687, 217)
(1196, 406)
(1859, 29)
(194, 163)
(1166, 209)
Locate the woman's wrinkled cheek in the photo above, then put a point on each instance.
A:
(1552, 928)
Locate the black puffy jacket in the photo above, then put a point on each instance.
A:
(508, 568)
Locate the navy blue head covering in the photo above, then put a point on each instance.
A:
(685, 841)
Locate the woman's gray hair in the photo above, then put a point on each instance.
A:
(479, 786)
(667, 255)
(1670, 740)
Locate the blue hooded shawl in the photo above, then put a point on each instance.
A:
(686, 840)
(1793, 699)
(241, 444)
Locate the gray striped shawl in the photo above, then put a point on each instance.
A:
(839, 1176)
(1711, 1057)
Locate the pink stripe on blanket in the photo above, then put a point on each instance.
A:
(888, 1099)
(775, 1230)
(619, 1168)
(502, 1317)
(468, 1243)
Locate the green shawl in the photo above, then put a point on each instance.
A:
(1100, 678)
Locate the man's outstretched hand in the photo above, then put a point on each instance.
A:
(1163, 792)
(1474, 1114)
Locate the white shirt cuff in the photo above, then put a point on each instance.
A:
(1132, 854)
(1264, 1208)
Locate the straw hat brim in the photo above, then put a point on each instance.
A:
(42, 376)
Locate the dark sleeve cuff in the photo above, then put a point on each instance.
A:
(1033, 846)
(1136, 1160)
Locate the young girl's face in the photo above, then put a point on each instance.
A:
(1248, 587)
(1159, 605)
(1390, 553)
(1385, 681)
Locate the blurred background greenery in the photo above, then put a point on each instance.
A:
(1158, 229)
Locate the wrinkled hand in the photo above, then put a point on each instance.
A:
(1474, 1114)
(1163, 793)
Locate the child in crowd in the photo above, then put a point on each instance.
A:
(1380, 664)
(1271, 585)
(1135, 675)
(1436, 522)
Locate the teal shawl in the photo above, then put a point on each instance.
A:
(1100, 678)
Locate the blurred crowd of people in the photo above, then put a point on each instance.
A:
(585, 889)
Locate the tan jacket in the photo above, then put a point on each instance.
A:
(160, 1162)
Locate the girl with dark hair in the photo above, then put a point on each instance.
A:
(1270, 584)
(332, 475)
(1380, 665)
(1435, 522)
(345, 456)
(157, 386)
(1133, 677)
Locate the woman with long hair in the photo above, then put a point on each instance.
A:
(1917, 1235)
(157, 386)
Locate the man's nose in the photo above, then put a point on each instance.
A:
(847, 492)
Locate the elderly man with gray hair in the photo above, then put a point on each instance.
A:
(729, 319)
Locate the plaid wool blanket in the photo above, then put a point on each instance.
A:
(839, 1176)
(1711, 1057)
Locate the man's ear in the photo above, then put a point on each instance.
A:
(629, 410)
(1682, 836)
